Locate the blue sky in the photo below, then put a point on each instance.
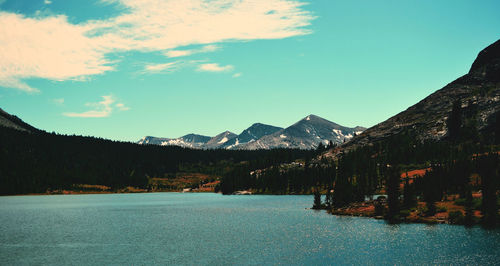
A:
(123, 69)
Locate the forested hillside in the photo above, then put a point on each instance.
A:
(37, 162)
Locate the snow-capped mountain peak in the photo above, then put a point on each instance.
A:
(307, 133)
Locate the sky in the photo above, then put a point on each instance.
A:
(124, 69)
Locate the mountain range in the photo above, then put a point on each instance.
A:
(307, 133)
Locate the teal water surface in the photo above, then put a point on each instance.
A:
(176, 228)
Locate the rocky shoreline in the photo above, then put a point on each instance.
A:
(448, 212)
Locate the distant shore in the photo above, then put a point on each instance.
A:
(127, 190)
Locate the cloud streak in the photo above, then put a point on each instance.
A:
(204, 49)
(100, 109)
(58, 101)
(122, 107)
(214, 67)
(52, 48)
(157, 68)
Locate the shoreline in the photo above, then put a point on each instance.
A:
(448, 212)
(68, 192)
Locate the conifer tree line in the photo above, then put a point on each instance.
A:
(39, 161)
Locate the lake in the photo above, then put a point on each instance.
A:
(198, 228)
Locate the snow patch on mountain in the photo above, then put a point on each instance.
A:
(307, 133)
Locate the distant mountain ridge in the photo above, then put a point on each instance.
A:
(251, 134)
(307, 133)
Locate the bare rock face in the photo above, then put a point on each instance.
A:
(307, 133)
(487, 64)
(480, 88)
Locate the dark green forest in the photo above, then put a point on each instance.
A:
(39, 161)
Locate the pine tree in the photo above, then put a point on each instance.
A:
(497, 128)
(320, 147)
(329, 198)
(488, 169)
(342, 194)
(469, 212)
(409, 197)
(454, 121)
(317, 199)
(392, 188)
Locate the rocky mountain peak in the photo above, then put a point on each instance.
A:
(487, 63)
(312, 117)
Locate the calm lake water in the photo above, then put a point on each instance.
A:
(176, 228)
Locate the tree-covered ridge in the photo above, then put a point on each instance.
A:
(37, 162)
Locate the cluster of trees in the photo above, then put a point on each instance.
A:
(279, 178)
(466, 153)
(39, 161)
(450, 178)
(460, 175)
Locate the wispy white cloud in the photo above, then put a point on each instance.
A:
(214, 67)
(204, 49)
(209, 48)
(58, 101)
(103, 108)
(237, 75)
(178, 53)
(52, 48)
(156, 68)
(122, 107)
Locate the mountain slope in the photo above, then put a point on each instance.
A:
(253, 133)
(12, 121)
(306, 134)
(220, 140)
(478, 92)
